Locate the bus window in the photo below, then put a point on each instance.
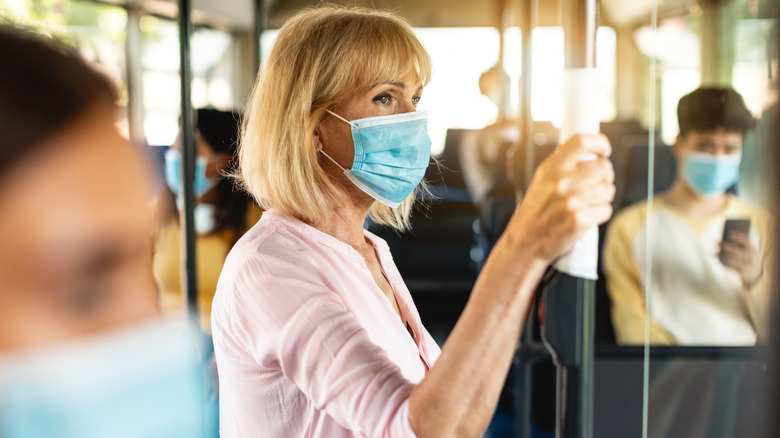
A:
(547, 64)
(212, 68)
(97, 30)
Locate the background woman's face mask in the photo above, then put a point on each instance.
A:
(173, 168)
(391, 155)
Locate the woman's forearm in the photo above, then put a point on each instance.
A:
(458, 396)
(568, 194)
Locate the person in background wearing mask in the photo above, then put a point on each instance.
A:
(704, 290)
(83, 352)
(222, 212)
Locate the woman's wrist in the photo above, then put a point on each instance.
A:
(524, 257)
(529, 250)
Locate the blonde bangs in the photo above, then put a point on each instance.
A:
(391, 54)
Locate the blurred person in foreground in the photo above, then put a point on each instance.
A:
(315, 332)
(222, 213)
(704, 290)
(82, 350)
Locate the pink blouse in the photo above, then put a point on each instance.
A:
(306, 342)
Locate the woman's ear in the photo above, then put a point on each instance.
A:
(317, 141)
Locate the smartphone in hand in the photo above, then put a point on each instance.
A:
(739, 225)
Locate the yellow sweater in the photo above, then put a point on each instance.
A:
(694, 298)
(210, 251)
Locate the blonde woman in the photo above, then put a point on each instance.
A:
(314, 331)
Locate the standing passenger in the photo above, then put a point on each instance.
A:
(315, 332)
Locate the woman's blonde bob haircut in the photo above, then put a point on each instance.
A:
(321, 55)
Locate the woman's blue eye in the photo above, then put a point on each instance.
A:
(384, 99)
(415, 101)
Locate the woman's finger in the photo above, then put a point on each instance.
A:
(584, 177)
(596, 215)
(592, 196)
(580, 148)
(592, 174)
(596, 170)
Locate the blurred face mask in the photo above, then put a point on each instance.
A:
(205, 215)
(142, 382)
(173, 168)
(710, 175)
(205, 218)
(391, 155)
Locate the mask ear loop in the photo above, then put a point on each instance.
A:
(338, 116)
(334, 161)
(325, 153)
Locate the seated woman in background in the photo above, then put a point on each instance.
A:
(315, 332)
(222, 212)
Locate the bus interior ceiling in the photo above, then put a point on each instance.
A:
(236, 14)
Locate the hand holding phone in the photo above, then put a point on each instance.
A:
(735, 225)
(738, 253)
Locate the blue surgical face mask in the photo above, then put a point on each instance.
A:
(146, 381)
(173, 166)
(710, 175)
(391, 155)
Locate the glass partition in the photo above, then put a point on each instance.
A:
(687, 256)
(693, 392)
(212, 64)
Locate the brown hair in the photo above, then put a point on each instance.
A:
(707, 109)
(44, 85)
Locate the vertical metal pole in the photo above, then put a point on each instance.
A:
(580, 22)
(568, 332)
(134, 76)
(529, 11)
(569, 322)
(502, 82)
(187, 136)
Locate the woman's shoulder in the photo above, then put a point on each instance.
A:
(272, 239)
(274, 270)
(280, 248)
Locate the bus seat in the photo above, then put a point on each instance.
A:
(636, 173)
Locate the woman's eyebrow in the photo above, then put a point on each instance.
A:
(397, 84)
(400, 85)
